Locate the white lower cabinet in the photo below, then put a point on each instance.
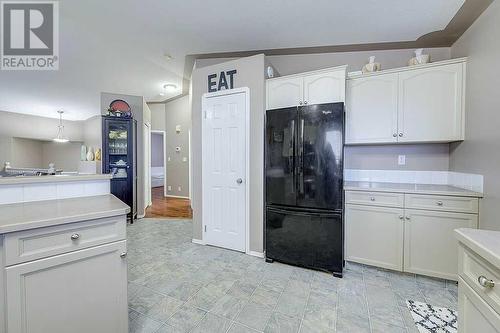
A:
(374, 236)
(475, 315)
(387, 234)
(430, 247)
(79, 292)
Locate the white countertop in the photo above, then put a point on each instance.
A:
(485, 243)
(30, 215)
(410, 188)
(51, 179)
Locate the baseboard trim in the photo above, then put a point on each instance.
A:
(198, 241)
(176, 196)
(140, 216)
(256, 254)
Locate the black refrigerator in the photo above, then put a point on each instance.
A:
(304, 186)
(119, 159)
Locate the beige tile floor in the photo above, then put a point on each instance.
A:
(178, 286)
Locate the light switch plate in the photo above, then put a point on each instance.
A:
(402, 160)
(184, 159)
(179, 189)
(169, 188)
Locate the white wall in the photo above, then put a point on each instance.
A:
(480, 152)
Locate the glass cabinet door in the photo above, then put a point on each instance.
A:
(118, 140)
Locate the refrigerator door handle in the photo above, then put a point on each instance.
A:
(301, 158)
(292, 157)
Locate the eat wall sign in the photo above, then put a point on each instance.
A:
(224, 80)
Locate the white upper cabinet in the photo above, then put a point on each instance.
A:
(284, 92)
(325, 87)
(430, 104)
(424, 103)
(318, 87)
(372, 109)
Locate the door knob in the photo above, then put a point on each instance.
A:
(484, 282)
(75, 236)
(123, 254)
(239, 180)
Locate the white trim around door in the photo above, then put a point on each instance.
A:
(205, 97)
(164, 134)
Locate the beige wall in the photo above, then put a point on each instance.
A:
(480, 152)
(27, 153)
(178, 112)
(292, 64)
(157, 116)
(39, 128)
(65, 156)
(428, 157)
(250, 74)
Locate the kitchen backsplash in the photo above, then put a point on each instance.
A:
(468, 181)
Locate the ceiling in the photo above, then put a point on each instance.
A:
(118, 46)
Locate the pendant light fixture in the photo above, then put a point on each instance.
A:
(60, 130)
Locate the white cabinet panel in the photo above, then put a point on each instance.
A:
(429, 244)
(372, 109)
(328, 87)
(474, 314)
(78, 292)
(430, 104)
(284, 92)
(374, 236)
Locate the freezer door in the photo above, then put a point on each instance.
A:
(320, 156)
(313, 240)
(281, 128)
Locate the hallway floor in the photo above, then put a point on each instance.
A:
(167, 206)
(178, 286)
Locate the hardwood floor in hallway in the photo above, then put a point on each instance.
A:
(168, 206)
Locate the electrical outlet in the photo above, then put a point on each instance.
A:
(168, 159)
(184, 159)
(169, 188)
(179, 189)
(402, 160)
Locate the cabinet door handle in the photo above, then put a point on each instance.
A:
(484, 282)
(395, 134)
(305, 102)
(372, 199)
(300, 102)
(123, 255)
(401, 217)
(407, 218)
(439, 203)
(400, 135)
(75, 236)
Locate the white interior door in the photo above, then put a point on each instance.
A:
(224, 169)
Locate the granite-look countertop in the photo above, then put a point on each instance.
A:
(486, 243)
(410, 188)
(20, 180)
(37, 214)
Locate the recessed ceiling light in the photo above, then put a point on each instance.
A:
(170, 87)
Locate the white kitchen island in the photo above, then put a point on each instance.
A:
(62, 255)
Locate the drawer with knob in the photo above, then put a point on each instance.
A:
(40, 243)
(442, 203)
(383, 199)
(481, 276)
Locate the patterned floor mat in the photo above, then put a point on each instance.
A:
(432, 319)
